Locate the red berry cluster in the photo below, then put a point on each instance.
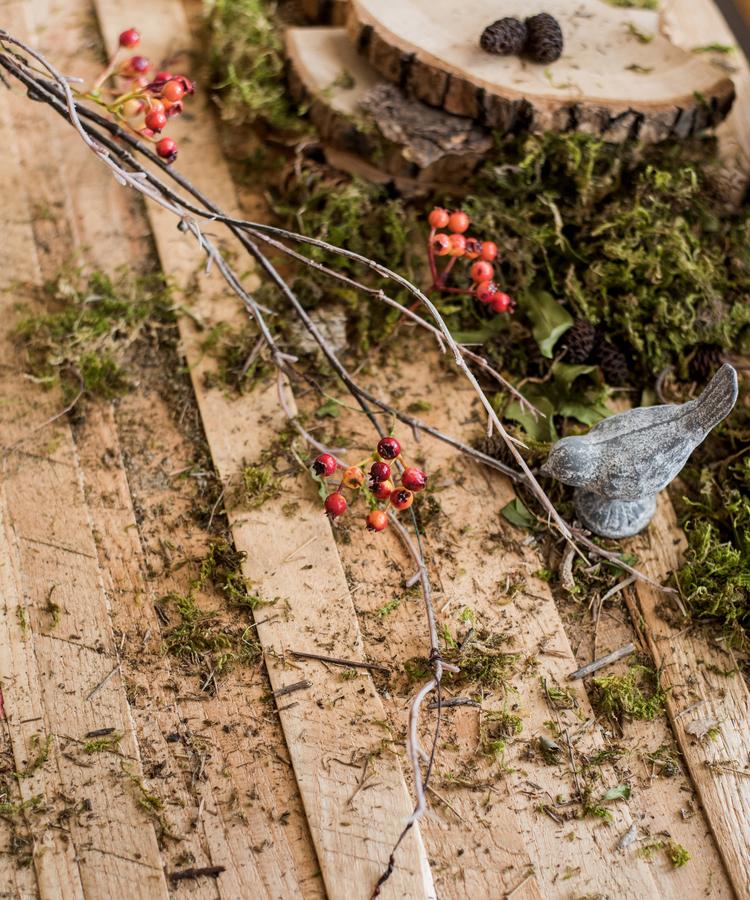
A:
(138, 93)
(378, 484)
(457, 245)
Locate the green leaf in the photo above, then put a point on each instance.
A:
(517, 514)
(330, 409)
(587, 413)
(541, 428)
(564, 374)
(621, 792)
(549, 321)
(480, 335)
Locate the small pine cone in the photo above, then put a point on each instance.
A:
(705, 361)
(579, 341)
(504, 37)
(544, 43)
(612, 362)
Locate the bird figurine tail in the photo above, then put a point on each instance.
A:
(718, 398)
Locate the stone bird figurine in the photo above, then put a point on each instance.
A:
(624, 461)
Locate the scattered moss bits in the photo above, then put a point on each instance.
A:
(635, 695)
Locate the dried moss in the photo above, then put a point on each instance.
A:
(483, 660)
(635, 695)
(82, 344)
(240, 362)
(257, 484)
(248, 63)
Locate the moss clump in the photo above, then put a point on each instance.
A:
(108, 743)
(201, 636)
(496, 729)
(83, 343)
(635, 695)
(248, 63)
(483, 660)
(676, 853)
(257, 484)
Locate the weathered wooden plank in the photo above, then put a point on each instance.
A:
(40, 672)
(696, 694)
(352, 840)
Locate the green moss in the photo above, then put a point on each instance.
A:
(635, 695)
(677, 854)
(257, 485)
(248, 63)
(240, 365)
(108, 743)
(483, 661)
(496, 729)
(201, 636)
(82, 343)
(41, 750)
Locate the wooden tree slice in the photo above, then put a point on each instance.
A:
(325, 12)
(358, 113)
(617, 77)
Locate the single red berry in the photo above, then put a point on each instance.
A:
(130, 38)
(414, 479)
(167, 149)
(324, 465)
(156, 120)
(379, 471)
(441, 244)
(401, 498)
(335, 505)
(482, 271)
(439, 217)
(353, 477)
(501, 302)
(457, 245)
(162, 76)
(138, 64)
(458, 221)
(377, 520)
(382, 489)
(485, 291)
(473, 248)
(489, 250)
(173, 91)
(389, 448)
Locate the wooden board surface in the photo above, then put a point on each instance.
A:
(357, 112)
(298, 564)
(617, 77)
(696, 24)
(495, 823)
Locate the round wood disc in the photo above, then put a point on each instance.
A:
(617, 77)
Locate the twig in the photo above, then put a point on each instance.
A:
(603, 661)
(193, 873)
(291, 688)
(453, 701)
(338, 661)
(94, 691)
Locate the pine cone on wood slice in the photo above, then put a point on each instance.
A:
(544, 42)
(705, 361)
(504, 37)
(578, 342)
(612, 362)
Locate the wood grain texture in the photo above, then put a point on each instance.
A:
(49, 672)
(357, 112)
(607, 82)
(352, 840)
(704, 688)
(695, 24)
(325, 12)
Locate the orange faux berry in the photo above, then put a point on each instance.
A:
(377, 520)
(353, 477)
(401, 498)
(481, 271)
(489, 250)
(458, 221)
(473, 248)
(441, 244)
(173, 91)
(457, 245)
(485, 291)
(439, 217)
